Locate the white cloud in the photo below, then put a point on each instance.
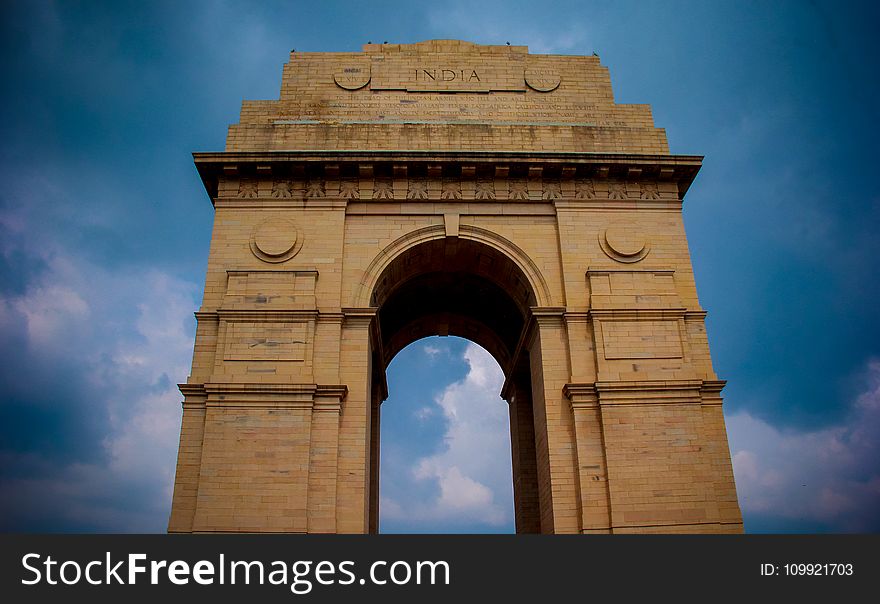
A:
(472, 474)
(829, 476)
(131, 334)
(47, 309)
(432, 352)
(424, 413)
(460, 493)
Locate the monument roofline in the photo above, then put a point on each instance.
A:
(681, 169)
(445, 95)
(443, 45)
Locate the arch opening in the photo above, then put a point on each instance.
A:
(465, 288)
(452, 286)
(445, 441)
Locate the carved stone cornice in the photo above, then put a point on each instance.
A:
(595, 271)
(263, 315)
(267, 315)
(650, 392)
(194, 395)
(331, 176)
(329, 398)
(581, 396)
(547, 314)
(656, 392)
(637, 313)
(711, 391)
(362, 317)
(275, 396)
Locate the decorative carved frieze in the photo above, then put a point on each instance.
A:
(383, 188)
(451, 189)
(617, 190)
(349, 189)
(583, 189)
(496, 183)
(649, 190)
(282, 189)
(417, 189)
(552, 190)
(519, 188)
(247, 188)
(485, 189)
(315, 189)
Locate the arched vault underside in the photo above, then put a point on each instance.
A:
(453, 286)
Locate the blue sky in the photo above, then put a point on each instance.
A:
(104, 232)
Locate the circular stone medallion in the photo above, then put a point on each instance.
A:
(542, 80)
(275, 240)
(624, 243)
(352, 77)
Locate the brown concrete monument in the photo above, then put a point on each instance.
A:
(451, 188)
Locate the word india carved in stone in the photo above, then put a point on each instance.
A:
(447, 75)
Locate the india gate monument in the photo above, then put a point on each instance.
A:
(449, 188)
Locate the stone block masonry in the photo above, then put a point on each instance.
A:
(446, 188)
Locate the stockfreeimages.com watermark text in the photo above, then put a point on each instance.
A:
(301, 575)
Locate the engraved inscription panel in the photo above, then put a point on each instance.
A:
(454, 108)
(422, 74)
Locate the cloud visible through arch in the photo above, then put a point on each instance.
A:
(467, 485)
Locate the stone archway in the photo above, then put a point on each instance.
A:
(524, 210)
(463, 287)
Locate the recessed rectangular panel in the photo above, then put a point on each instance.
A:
(270, 290)
(641, 339)
(258, 341)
